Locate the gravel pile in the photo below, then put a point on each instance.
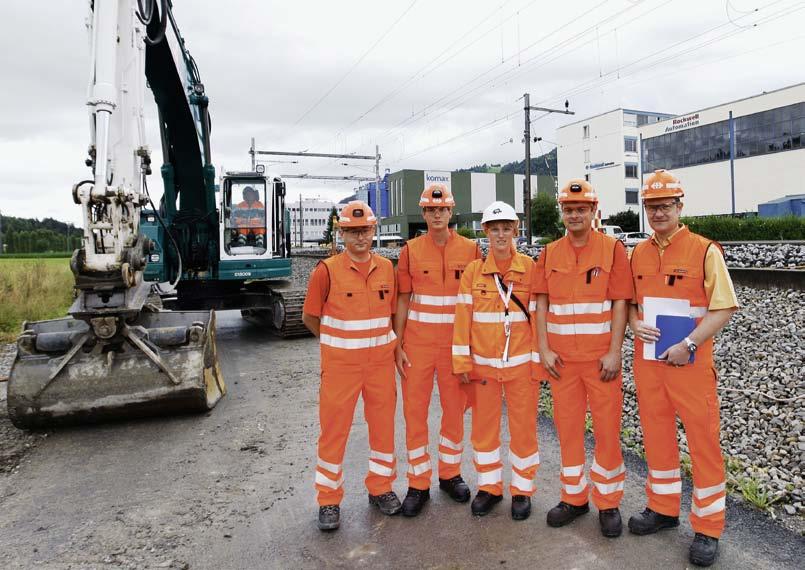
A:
(787, 255)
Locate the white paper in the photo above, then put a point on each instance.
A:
(654, 306)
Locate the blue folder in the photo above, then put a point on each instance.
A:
(673, 329)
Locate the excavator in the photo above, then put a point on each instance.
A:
(140, 336)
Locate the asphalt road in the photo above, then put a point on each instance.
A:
(233, 489)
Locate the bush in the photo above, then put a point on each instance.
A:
(628, 221)
(725, 228)
(466, 232)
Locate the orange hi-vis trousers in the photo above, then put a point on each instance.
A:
(417, 388)
(664, 391)
(338, 396)
(521, 407)
(581, 383)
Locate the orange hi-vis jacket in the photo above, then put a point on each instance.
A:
(356, 317)
(249, 215)
(434, 286)
(479, 338)
(676, 274)
(579, 315)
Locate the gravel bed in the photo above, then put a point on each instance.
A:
(775, 256)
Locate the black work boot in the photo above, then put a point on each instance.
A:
(483, 503)
(703, 550)
(415, 499)
(388, 503)
(610, 521)
(649, 522)
(565, 513)
(329, 517)
(521, 507)
(456, 488)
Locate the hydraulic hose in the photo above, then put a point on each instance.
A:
(145, 13)
(170, 236)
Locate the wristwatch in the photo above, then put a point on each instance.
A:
(692, 346)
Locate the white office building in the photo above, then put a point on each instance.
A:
(730, 157)
(604, 150)
(313, 218)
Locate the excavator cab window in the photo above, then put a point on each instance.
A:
(245, 218)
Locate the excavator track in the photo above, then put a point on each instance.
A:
(284, 319)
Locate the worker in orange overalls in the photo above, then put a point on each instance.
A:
(584, 286)
(349, 305)
(428, 274)
(249, 218)
(494, 347)
(684, 293)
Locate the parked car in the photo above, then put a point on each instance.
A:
(631, 239)
(483, 242)
(611, 230)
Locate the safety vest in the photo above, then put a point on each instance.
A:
(579, 314)
(249, 216)
(479, 338)
(356, 317)
(676, 274)
(435, 280)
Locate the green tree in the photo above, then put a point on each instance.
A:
(628, 220)
(466, 232)
(328, 233)
(545, 219)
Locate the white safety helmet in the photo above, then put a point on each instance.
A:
(499, 211)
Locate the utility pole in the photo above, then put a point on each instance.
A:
(379, 212)
(251, 152)
(301, 236)
(527, 108)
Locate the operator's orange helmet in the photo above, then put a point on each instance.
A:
(436, 195)
(662, 184)
(578, 190)
(356, 214)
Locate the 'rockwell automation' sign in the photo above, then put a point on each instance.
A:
(680, 123)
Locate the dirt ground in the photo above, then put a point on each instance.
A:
(233, 489)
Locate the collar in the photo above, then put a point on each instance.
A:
(663, 243)
(490, 267)
(450, 235)
(350, 264)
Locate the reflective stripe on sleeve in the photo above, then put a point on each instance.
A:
(464, 299)
(461, 350)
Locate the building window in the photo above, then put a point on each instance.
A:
(585, 131)
(631, 170)
(630, 144)
(690, 147)
(631, 195)
(629, 120)
(587, 155)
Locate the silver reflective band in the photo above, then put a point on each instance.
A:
(464, 298)
(667, 488)
(490, 477)
(418, 452)
(515, 317)
(387, 457)
(325, 481)
(358, 325)
(432, 318)
(461, 350)
(715, 507)
(499, 363)
(709, 491)
(670, 474)
(328, 466)
(580, 308)
(607, 474)
(532, 306)
(375, 467)
(535, 357)
(449, 444)
(576, 489)
(449, 458)
(607, 488)
(420, 468)
(573, 470)
(579, 328)
(354, 343)
(520, 482)
(524, 463)
(487, 457)
(435, 300)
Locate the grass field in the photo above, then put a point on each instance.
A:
(32, 290)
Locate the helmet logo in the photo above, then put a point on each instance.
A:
(656, 185)
(437, 194)
(497, 211)
(575, 187)
(357, 212)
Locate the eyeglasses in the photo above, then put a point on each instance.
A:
(581, 211)
(358, 232)
(663, 208)
(436, 209)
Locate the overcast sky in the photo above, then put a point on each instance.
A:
(435, 83)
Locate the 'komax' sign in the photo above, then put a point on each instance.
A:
(438, 177)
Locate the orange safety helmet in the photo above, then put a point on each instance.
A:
(578, 190)
(356, 214)
(436, 195)
(662, 184)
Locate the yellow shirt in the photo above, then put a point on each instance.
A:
(717, 280)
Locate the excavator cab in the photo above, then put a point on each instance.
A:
(246, 218)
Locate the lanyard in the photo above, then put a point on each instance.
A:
(507, 324)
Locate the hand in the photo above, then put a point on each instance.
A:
(677, 355)
(401, 361)
(645, 332)
(464, 378)
(551, 362)
(610, 365)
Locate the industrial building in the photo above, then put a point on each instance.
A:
(311, 218)
(730, 157)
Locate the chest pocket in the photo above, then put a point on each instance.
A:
(381, 292)
(426, 274)
(455, 269)
(481, 292)
(684, 278)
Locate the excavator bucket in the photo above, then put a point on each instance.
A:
(162, 363)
